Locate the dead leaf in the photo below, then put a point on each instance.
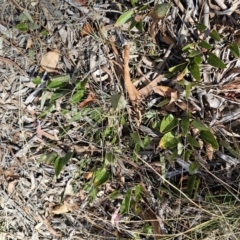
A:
(86, 30)
(81, 195)
(39, 130)
(168, 40)
(90, 98)
(11, 186)
(66, 206)
(116, 218)
(88, 175)
(29, 43)
(209, 151)
(48, 225)
(163, 91)
(50, 60)
(144, 92)
(132, 91)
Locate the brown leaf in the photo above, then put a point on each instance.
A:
(86, 30)
(49, 61)
(39, 130)
(209, 151)
(88, 175)
(132, 91)
(163, 91)
(144, 92)
(168, 40)
(90, 98)
(29, 43)
(116, 218)
(11, 186)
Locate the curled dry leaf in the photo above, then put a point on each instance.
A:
(163, 91)
(144, 92)
(86, 30)
(50, 60)
(132, 91)
(90, 98)
(116, 218)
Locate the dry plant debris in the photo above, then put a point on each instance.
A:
(119, 119)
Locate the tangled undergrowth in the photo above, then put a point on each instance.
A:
(119, 119)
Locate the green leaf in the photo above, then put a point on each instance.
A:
(215, 61)
(198, 59)
(159, 11)
(28, 16)
(60, 162)
(124, 18)
(133, 2)
(191, 185)
(168, 141)
(59, 81)
(168, 123)
(187, 155)
(204, 44)
(118, 102)
(193, 168)
(235, 153)
(22, 27)
(201, 27)
(114, 195)
(58, 94)
(48, 110)
(178, 68)
(125, 206)
(194, 53)
(137, 139)
(208, 137)
(77, 96)
(195, 71)
(234, 49)
(100, 176)
(188, 47)
(192, 141)
(33, 26)
(214, 35)
(199, 125)
(37, 80)
(138, 193)
(185, 122)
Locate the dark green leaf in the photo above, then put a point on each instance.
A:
(198, 59)
(187, 155)
(168, 123)
(235, 49)
(60, 162)
(234, 152)
(125, 206)
(192, 141)
(58, 94)
(59, 81)
(193, 168)
(199, 125)
(201, 27)
(137, 139)
(100, 176)
(214, 35)
(194, 53)
(77, 96)
(208, 137)
(215, 61)
(195, 71)
(138, 193)
(124, 18)
(178, 68)
(168, 141)
(191, 185)
(185, 122)
(159, 11)
(204, 44)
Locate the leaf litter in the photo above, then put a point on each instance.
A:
(76, 133)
